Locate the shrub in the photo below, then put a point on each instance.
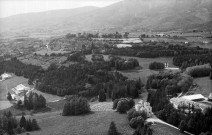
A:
(9, 97)
(131, 103)
(123, 106)
(156, 65)
(132, 113)
(199, 71)
(137, 121)
(115, 102)
(112, 129)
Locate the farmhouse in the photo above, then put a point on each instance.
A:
(144, 106)
(20, 89)
(5, 76)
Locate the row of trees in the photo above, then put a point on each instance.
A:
(185, 61)
(154, 51)
(10, 125)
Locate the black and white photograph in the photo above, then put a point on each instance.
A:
(105, 67)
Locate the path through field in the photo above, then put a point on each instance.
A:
(102, 106)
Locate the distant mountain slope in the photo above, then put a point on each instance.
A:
(127, 15)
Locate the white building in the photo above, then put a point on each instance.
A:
(123, 45)
(196, 97)
(20, 89)
(5, 76)
(144, 106)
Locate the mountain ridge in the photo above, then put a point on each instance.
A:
(127, 15)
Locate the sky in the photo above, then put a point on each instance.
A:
(13, 7)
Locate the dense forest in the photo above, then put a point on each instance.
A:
(84, 78)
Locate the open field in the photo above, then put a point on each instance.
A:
(8, 84)
(42, 61)
(205, 84)
(95, 123)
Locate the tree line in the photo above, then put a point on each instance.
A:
(154, 51)
(184, 61)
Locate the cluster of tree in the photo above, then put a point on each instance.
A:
(76, 57)
(122, 64)
(199, 71)
(154, 51)
(165, 85)
(76, 106)
(10, 125)
(123, 104)
(193, 120)
(34, 101)
(137, 121)
(156, 65)
(112, 35)
(185, 61)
